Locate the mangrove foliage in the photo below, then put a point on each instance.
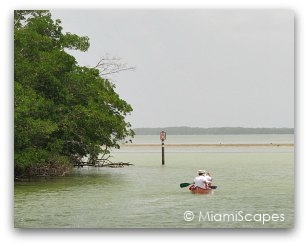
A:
(62, 111)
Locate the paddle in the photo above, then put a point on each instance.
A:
(182, 185)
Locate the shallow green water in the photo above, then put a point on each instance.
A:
(251, 185)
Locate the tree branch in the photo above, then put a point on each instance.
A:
(108, 66)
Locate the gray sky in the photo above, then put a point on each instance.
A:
(204, 68)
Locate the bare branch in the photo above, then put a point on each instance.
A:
(118, 70)
(108, 66)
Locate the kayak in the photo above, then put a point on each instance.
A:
(198, 190)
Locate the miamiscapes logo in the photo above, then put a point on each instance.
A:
(237, 216)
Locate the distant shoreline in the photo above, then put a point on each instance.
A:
(212, 145)
(184, 130)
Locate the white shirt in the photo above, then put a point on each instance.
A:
(199, 181)
(208, 178)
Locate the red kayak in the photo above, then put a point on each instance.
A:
(198, 190)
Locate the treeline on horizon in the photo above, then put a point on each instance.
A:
(212, 131)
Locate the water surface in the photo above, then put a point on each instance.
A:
(256, 183)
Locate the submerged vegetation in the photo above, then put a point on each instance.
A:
(62, 111)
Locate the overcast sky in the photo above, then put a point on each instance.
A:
(203, 68)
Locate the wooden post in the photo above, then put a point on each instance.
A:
(162, 138)
(162, 153)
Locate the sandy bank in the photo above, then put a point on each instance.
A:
(212, 145)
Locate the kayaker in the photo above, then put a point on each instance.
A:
(202, 180)
(208, 178)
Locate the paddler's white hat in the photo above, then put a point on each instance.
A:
(201, 171)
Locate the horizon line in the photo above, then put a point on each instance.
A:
(273, 127)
